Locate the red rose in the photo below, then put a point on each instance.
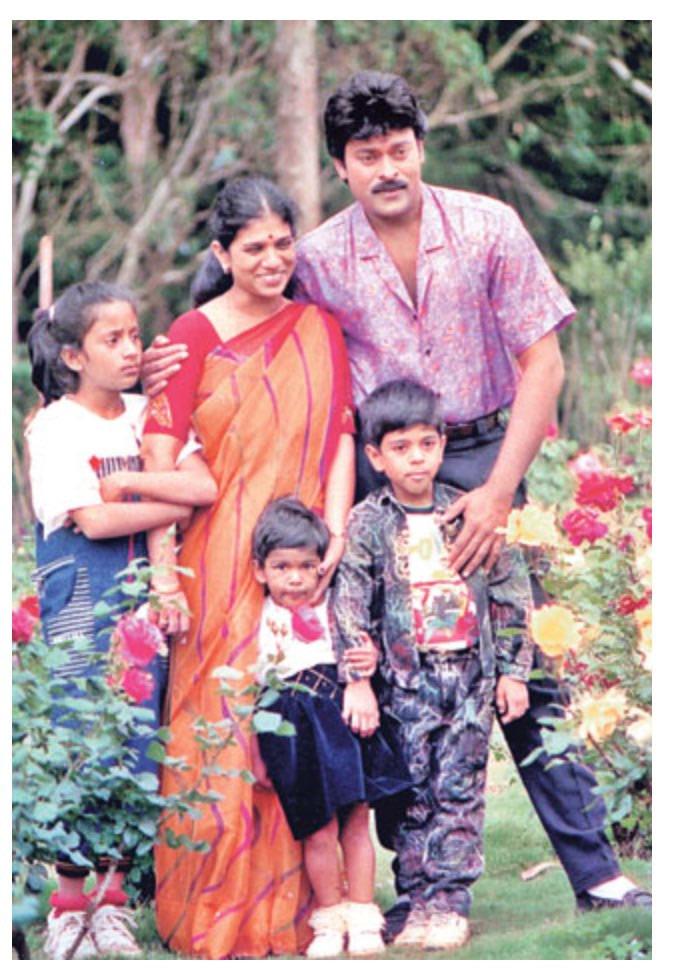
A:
(580, 524)
(627, 604)
(602, 490)
(620, 422)
(138, 640)
(598, 490)
(137, 684)
(23, 625)
(95, 463)
(31, 605)
(641, 371)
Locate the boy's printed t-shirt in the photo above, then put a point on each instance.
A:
(444, 610)
(373, 593)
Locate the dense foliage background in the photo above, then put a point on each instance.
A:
(124, 130)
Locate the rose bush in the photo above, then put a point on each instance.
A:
(596, 628)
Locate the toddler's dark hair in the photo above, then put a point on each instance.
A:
(395, 405)
(369, 104)
(286, 523)
(66, 323)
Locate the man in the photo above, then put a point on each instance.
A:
(448, 288)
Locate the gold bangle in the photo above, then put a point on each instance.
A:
(164, 590)
(339, 536)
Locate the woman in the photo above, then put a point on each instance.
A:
(266, 385)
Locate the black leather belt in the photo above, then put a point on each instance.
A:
(470, 429)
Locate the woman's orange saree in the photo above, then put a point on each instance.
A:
(271, 406)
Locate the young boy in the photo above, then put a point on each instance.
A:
(449, 648)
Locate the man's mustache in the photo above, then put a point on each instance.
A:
(390, 185)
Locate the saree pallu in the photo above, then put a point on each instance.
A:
(270, 408)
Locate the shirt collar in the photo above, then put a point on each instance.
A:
(368, 245)
(443, 496)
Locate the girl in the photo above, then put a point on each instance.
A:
(324, 774)
(84, 465)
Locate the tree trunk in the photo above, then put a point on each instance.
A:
(139, 103)
(298, 118)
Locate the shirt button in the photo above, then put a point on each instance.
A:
(427, 352)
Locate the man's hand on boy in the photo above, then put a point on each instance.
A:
(361, 660)
(481, 538)
(160, 361)
(359, 709)
(512, 698)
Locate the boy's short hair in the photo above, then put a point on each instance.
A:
(398, 404)
(287, 524)
(370, 103)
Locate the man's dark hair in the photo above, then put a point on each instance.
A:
(286, 524)
(395, 405)
(370, 104)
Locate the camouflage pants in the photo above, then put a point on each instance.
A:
(445, 728)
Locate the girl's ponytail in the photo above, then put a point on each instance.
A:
(49, 373)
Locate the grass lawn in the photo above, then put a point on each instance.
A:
(511, 919)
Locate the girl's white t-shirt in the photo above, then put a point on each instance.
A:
(71, 447)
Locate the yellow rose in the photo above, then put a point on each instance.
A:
(555, 630)
(532, 526)
(640, 730)
(600, 714)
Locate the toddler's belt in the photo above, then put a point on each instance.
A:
(315, 681)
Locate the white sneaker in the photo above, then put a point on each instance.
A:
(447, 931)
(364, 929)
(328, 924)
(111, 931)
(414, 932)
(63, 930)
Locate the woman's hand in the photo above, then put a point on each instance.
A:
(328, 566)
(359, 709)
(170, 608)
(160, 361)
(258, 766)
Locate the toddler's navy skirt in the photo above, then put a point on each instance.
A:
(323, 768)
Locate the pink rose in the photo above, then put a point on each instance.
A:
(137, 684)
(647, 517)
(585, 464)
(641, 371)
(580, 524)
(138, 640)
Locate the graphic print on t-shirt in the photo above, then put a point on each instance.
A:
(444, 610)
